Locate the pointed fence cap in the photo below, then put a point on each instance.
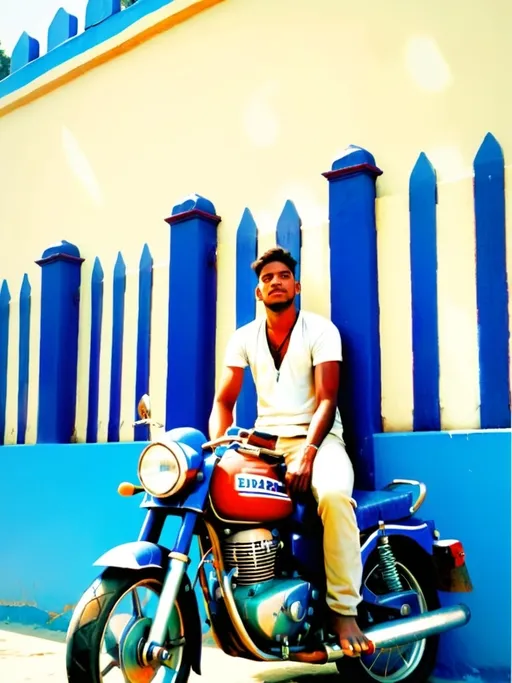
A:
(25, 289)
(289, 215)
(489, 152)
(247, 226)
(423, 179)
(119, 267)
(5, 295)
(146, 259)
(423, 167)
(97, 271)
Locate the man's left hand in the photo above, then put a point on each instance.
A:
(298, 473)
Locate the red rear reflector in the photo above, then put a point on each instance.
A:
(458, 554)
(456, 550)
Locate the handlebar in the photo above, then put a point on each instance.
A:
(222, 440)
(244, 438)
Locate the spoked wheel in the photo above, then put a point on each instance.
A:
(110, 623)
(412, 663)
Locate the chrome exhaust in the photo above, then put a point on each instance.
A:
(404, 631)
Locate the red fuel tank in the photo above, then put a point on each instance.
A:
(245, 489)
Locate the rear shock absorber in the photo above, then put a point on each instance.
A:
(387, 562)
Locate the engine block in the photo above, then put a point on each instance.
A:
(253, 552)
(277, 609)
(272, 608)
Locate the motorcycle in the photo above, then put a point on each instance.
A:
(261, 571)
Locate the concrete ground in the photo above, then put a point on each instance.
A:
(37, 656)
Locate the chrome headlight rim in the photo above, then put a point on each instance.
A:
(182, 463)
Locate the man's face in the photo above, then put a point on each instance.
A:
(277, 286)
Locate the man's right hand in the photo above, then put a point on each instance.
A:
(299, 471)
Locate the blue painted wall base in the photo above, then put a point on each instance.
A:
(468, 481)
(52, 533)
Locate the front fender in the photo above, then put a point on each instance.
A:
(135, 555)
(143, 555)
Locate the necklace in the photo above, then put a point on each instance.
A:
(276, 352)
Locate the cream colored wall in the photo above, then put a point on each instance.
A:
(247, 103)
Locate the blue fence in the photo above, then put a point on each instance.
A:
(354, 301)
(491, 287)
(191, 356)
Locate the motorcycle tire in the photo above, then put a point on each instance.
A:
(414, 567)
(91, 616)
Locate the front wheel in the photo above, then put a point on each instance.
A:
(109, 622)
(412, 663)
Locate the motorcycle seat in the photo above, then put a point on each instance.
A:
(374, 506)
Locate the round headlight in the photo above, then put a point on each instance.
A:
(162, 470)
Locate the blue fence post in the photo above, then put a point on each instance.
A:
(354, 302)
(95, 351)
(491, 285)
(246, 252)
(5, 304)
(289, 235)
(192, 313)
(425, 336)
(141, 432)
(24, 359)
(116, 365)
(58, 351)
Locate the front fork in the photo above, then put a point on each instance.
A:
(178, 562)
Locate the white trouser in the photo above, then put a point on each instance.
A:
(332, 484)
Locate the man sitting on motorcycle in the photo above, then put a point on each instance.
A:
(294, 359)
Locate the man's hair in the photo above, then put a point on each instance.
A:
(275, 254)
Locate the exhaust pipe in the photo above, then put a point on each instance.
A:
(404, 631)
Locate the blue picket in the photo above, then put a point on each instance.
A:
(24, 52)
(5, 299)
(425, 337)
(116, 367)
(95, 351)
(63, 27)
(246, 252)
(491, 285)
(98, 10)
(24, 359)
(289, 235)
(141, 432)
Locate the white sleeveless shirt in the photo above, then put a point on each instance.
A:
(286, 397)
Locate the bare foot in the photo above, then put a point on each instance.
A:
(351, 639)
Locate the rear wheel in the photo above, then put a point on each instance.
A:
(412, 663)
(108, 624)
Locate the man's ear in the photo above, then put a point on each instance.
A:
(297, 288)
(257, 291)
